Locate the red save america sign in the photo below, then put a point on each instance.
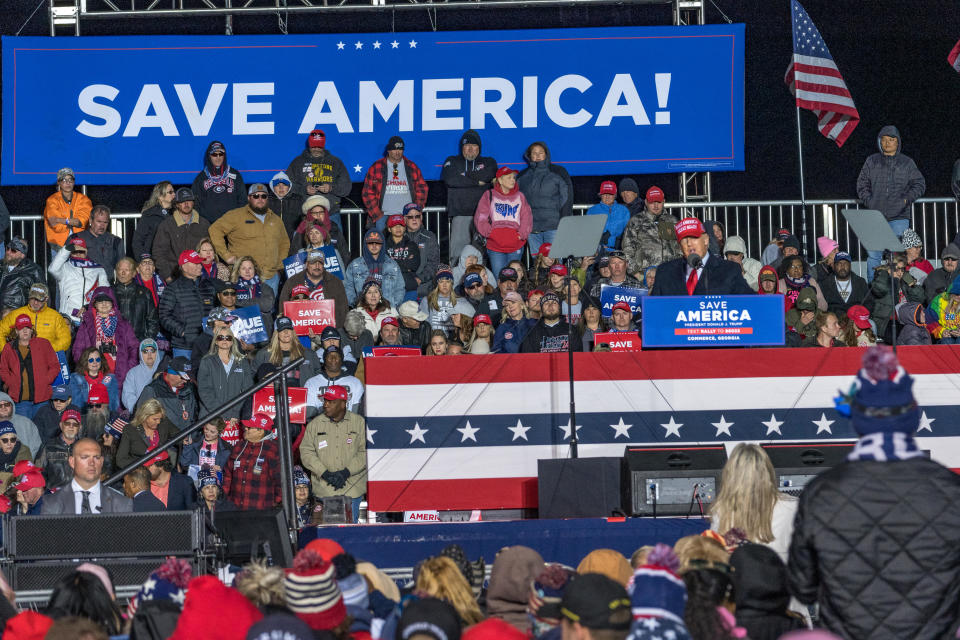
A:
(264, 402)
(618, 341)
(310, 314)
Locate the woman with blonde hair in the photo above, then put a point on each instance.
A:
(440, 578)
(224, 373)
(149, 429)
(212, 267)
(251, 290)
(749, 500)
(439, 303)
(284, 347)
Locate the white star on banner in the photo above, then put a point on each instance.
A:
(519, 431)
(178, 596)
(357, 168)
(358, 45)
(394, 45)
(722, 427)
(469, 433)
(672, 427)
(773, 425)
(650, 623)
(340, 46)
(416, 433)
(621, 429)
(566, 429)
(925, 423)
(823, 424)
(413, 44)
(370, 433)
(376, 44)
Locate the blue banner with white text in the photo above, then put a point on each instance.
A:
(606, 101)
(712, 321)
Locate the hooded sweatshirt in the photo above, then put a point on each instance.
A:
(914, 330)
(27, 432)
(137, 378)
(327, 169)
(545, 190)
(287, 207)
(466, 180)
(504, 218)
(461, 266)
(216, 191)
(890, 184)
(513, 571)
(383, 268)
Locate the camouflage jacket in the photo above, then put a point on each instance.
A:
(649, 241)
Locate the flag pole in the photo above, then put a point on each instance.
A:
(803, 195)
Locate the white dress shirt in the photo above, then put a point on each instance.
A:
(95, 505)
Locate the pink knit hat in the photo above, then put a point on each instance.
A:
(826, 245)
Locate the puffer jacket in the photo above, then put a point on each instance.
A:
(878, 545)
(136, 306)
(914, 330)
(47, 323)
(545, 190)
(183, 305)
(15, 283)
(890, 184)
(74, 281)
(124, 339)
(649, 241)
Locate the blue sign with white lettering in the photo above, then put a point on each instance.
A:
(296, 263)
(712, 321)
(664, 99)
(611, 295)
(248, 326)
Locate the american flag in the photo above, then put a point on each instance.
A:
(816, 82)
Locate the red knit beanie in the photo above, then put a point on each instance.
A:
(214, 611)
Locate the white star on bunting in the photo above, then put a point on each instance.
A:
(773, 425)
(621, 429)
(413, 44)
(376, 44)
(416, 433)
(370, 433)
(823, 424)
(340, 46)
(722, 427)
(672, 427)
(357, 168)
(519, 431)
(566, 429)
(358, 45)
(394, 45)
(925, 423)
(469, 433)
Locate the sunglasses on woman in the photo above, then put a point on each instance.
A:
(8, 440)
(224, 338)
(96, 359)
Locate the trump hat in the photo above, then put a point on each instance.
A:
(689, 228)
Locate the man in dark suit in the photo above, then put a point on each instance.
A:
(173, 489)
(85, 494)
(698, 273)
(136, 485)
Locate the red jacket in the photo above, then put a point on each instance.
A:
(46, 367)
(373, 186)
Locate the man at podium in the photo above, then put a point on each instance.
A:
(698, 273)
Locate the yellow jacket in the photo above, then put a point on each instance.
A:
(48, 324)
(57, 207)
(239, 233)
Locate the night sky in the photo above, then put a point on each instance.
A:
(892, 56)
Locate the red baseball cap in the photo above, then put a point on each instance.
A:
(502, 171)
(392, 320)
(545, 250)
(860, 316)
(558, 269)
(160, 457)
(300, 290)
(259, 421)
(30, 480)
(317, 139)
(608, 188)
(689, 228)
(654, 194)
(98, 394)
(335, 392)
(70, 414)
(190, 256)
(78, 242)
(23, 321)
(623, 306)
(394, 221)
(482, 317)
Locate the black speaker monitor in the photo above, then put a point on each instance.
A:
(668, 480)
(249, 535)
(797, 463)
(578, 487)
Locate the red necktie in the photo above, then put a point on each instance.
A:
(691, 282)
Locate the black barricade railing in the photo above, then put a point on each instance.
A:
(281, 427)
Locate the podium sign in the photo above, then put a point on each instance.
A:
(713, 321)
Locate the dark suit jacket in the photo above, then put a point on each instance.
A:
(719, 277)
(146, 501)
(181, 495)
(63, 502)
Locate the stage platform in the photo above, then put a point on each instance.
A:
(401, 546)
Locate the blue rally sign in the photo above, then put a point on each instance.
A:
(665, 99)
(712, 321)
(611, 295)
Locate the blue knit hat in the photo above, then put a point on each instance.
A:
(883, 401)
(656, 591)
(7, 427)
(299, 477)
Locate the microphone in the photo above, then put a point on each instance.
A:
(694, 260)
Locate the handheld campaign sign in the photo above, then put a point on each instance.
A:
(264, 402)
(618, 340)
(310, 314)
(297, 262)
(642, 111)
(294, 264)
(249, 325)
(395, 351)
(712, 321)
(611, 295)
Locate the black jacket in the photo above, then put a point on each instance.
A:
(935, 284)
(719, 277)
(289, 208)
(53, 460)
(146, 230)
(47, 420)
(105, 249)
(15, 283)
(429, 259)
(218, 191)
(407, 256)
(134, 443)
(136, 306)
(146, 501)
(760, 589)
(877, 544)
(463, 179)
(419, 337)
(180, 408)
(544, 339)
(859, 294)
(183, 305)
(181, 495)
